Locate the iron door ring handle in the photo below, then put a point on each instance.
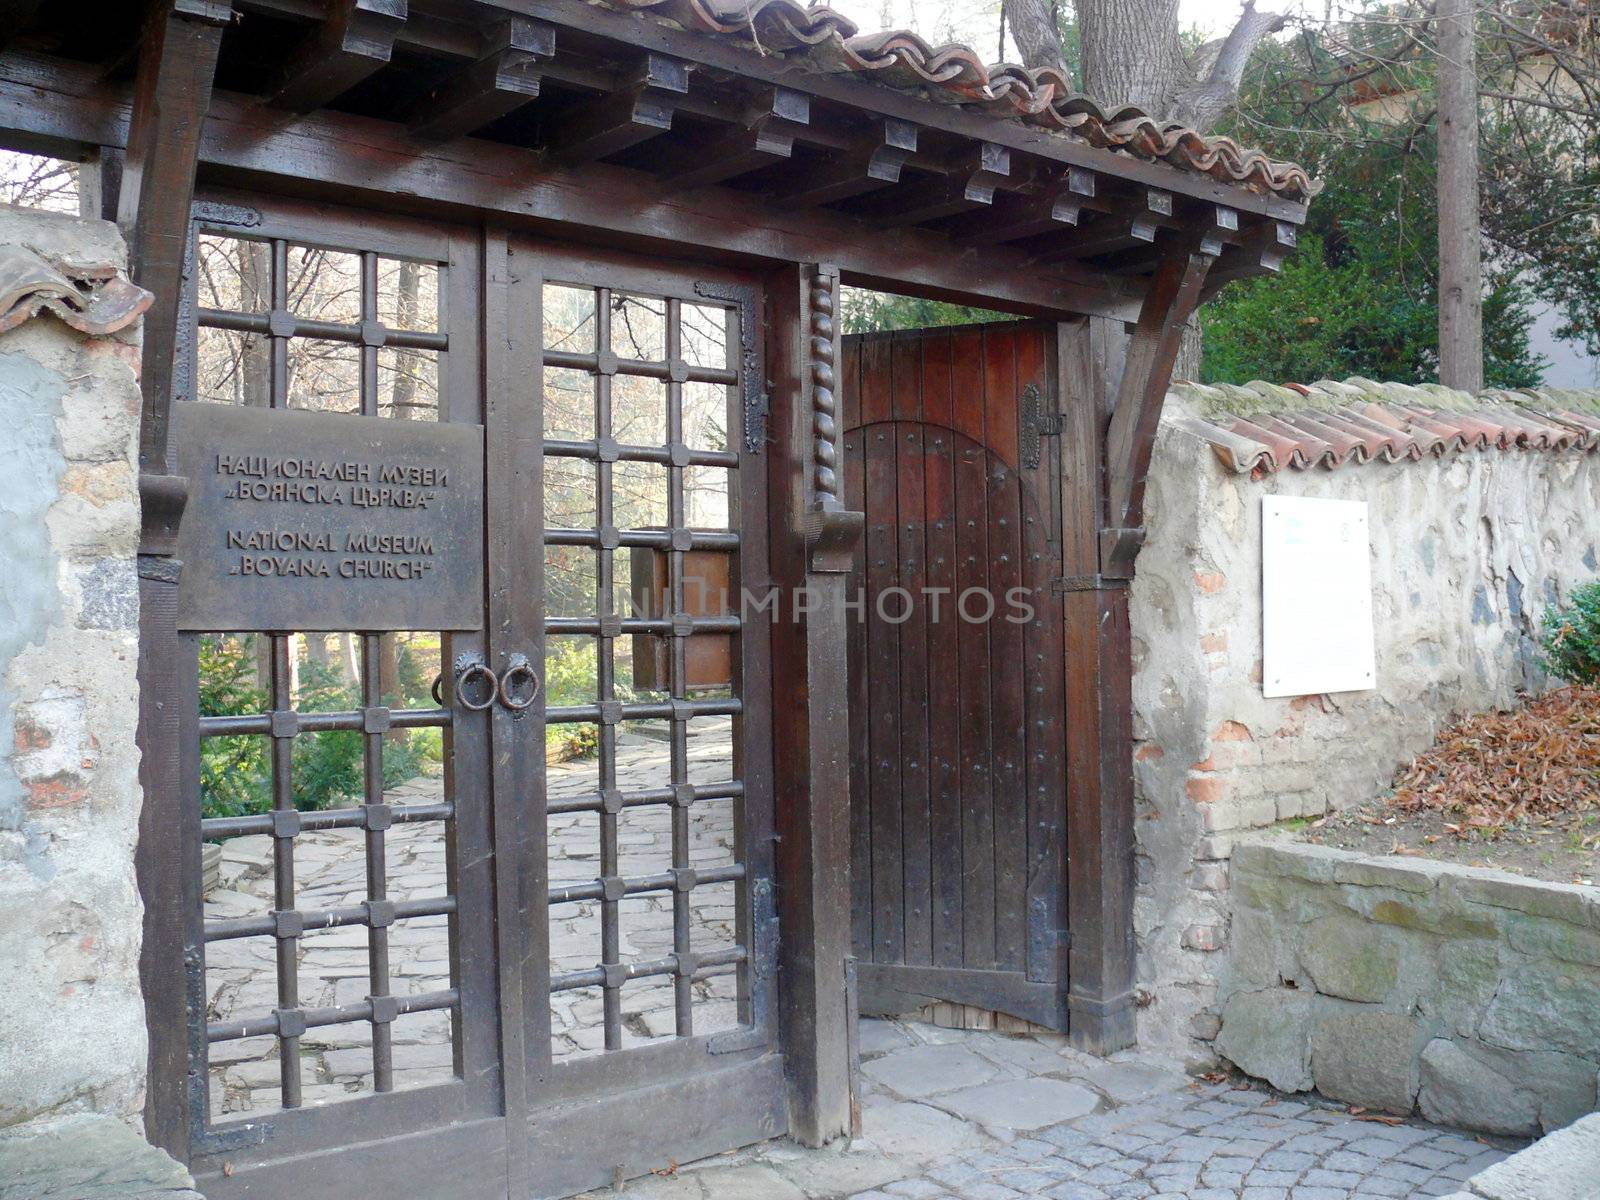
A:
(438, 682)
(518, 668)
(470, 672)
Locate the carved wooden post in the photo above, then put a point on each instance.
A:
(813, 538)
(172, 91)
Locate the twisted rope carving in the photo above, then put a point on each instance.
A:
(824, 409)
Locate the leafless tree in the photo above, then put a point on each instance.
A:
(1133, 54)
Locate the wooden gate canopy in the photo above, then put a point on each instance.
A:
(765, 129)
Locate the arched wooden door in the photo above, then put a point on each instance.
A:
(958, 771)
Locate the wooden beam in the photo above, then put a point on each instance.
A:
(968, 183)
(640, 111)
(1099, 746)
(765, 135)
(1056, 206)
(1172, 299)
(874, 163)
(329, 156)
(1260, 250)
(501, 81)
(354, 42)
(1120, 229)
(177, 58)
(810, 739)
(15, 16)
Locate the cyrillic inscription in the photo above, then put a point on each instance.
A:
(320, 521)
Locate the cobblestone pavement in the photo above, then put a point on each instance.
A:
(950, 1115)
(330, 871)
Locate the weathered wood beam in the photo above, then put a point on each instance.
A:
(970, 182)
(811, 726)
(1153, 349)
(351, 159)
(1260, 250)
(14, 18)
(177, 59)
(355, 41)
(640, 111)
(875, 163)
(765, 135)
(1013, 216)
(1121, 229)
(501, 81)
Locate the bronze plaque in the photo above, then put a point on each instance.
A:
(327, 522)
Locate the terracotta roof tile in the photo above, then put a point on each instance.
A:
(817, 37)
(1260, 429)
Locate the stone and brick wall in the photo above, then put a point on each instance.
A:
(1470, 996)
(72, 1036)
(1470, 539)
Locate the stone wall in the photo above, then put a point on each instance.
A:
(72, 1036)
(1466, 550)
(1470, 996)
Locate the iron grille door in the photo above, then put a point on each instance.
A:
(651, 1025)
(342, 1026)
(958, 781)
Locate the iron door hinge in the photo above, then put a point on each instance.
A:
(1037, 424)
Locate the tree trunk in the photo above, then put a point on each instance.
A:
(1460, 237)
(1131, 53)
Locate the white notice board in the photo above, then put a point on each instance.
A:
(1316, 597)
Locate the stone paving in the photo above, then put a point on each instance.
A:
(330, 871)
(952, 1115)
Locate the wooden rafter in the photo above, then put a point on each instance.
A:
(1058, 205)
(766, 135)
(640, 110)
(15, 16)
(354, 42)
(1260, 251)
(502, 80)
(968, 183)
(1121, 229)
(874, 163)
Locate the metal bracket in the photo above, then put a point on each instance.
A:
(1087, 583)
(754, 402)
(1037, 423)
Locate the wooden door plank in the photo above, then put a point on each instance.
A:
(883, 666)
(913, 683)
(944, 773)
(1006, 648)
(854, 466)
(972, 572)
(1045, 698)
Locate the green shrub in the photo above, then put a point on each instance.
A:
(1572, 637)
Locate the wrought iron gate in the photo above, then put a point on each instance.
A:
(958, 782)
(444, 932)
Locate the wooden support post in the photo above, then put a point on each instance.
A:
(1105, 457)
(812, 539)
(172, 91)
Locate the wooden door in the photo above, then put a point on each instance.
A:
(494, 909)
(958, 777)
(650, 1023)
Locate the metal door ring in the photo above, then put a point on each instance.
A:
(470, 672)
(514, 672)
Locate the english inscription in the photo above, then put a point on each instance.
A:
(327, 522)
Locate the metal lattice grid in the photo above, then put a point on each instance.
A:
(607, 354)
(283, 324)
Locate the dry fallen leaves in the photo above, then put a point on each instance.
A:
(1535, 762)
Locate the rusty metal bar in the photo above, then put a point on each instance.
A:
(323, 722)
(716, 962)
(372, 780)
(604, 362)
(284, 324)
(638, 884)
(653, 454)
(285, 928)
